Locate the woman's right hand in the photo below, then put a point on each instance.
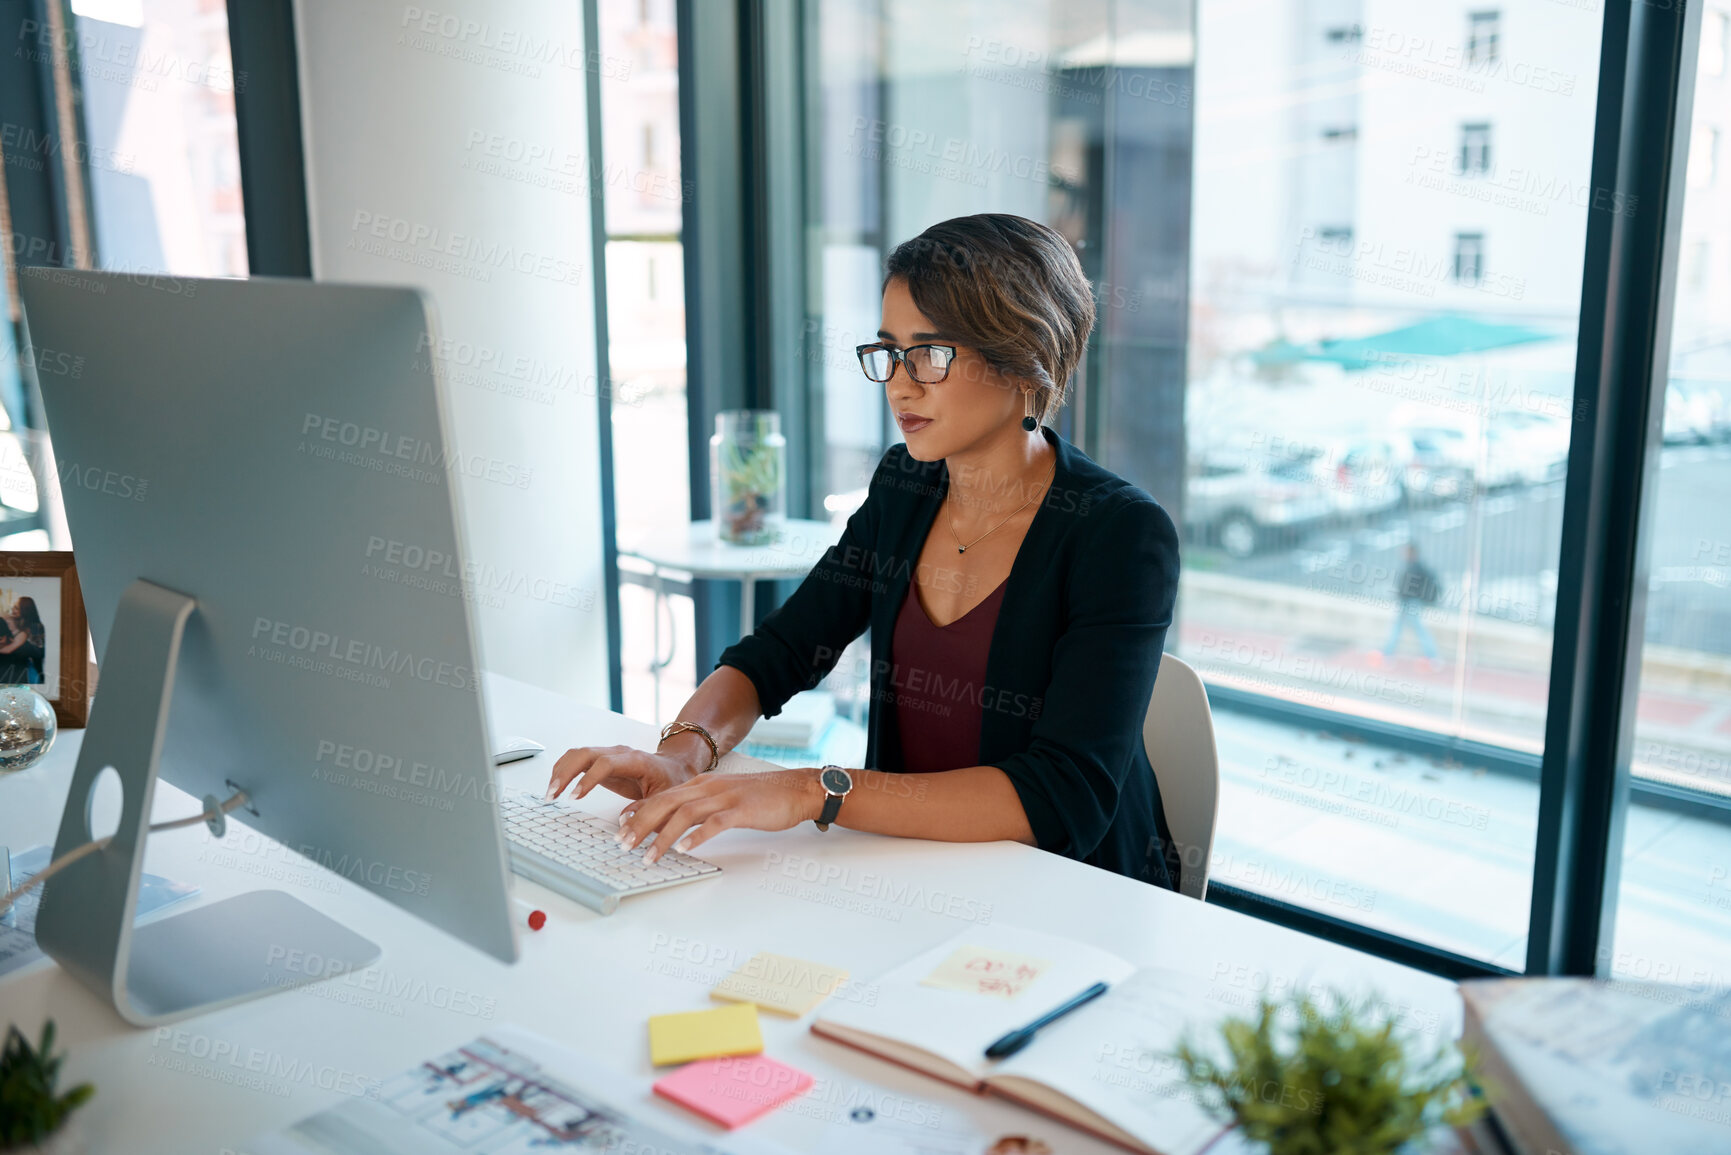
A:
(625, 770)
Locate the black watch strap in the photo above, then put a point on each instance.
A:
(831, 807)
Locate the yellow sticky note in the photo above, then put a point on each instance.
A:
(786, 986)
(981, 970)
(704, 1034)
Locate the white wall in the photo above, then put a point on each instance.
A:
(457, 132)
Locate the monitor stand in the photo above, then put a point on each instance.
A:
(211, 956)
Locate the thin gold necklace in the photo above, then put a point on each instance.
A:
(960, 548)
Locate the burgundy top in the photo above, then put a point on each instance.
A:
(938, 674)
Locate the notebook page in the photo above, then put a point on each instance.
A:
(958, 1025)
(1111, 1056)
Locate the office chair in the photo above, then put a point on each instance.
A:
(1178, 734)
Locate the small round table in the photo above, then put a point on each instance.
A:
(694, 549)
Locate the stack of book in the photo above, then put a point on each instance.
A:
(1586, 1067)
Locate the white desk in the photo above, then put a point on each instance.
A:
(591, 982)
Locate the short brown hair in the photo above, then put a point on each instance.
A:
(1008, 286)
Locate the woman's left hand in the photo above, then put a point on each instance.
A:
(690, 814)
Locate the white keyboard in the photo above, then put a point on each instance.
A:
(578, 855)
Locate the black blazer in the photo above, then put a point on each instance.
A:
(1072, 658)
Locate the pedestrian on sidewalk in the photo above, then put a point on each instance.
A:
(1416, 588)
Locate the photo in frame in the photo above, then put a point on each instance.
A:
(44, 636)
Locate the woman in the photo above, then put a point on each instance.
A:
(23, 645)
(1018, 595)
(28, 622)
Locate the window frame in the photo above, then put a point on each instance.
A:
(267, 114)
(1640, 147)
(603, 357)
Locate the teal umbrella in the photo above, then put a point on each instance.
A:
(1445, 336)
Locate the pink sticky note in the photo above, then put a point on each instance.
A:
(733, 1091)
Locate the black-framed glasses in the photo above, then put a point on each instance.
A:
(927, 364)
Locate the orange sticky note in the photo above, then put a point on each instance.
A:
(733, 1091)
(729, 1030)
(987, 971)
(782, 985)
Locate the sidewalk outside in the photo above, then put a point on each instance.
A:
(1323, 649)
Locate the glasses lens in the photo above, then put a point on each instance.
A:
(928, 363)
(877, 363)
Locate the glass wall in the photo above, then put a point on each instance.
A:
(918, 113)
(1337, 247)
(1674, 912)
(163, 160)
(644, 202)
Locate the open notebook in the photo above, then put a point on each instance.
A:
(1103, 1068)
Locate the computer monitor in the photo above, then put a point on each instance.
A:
(275, 456)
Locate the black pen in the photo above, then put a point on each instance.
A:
(1017, 1039)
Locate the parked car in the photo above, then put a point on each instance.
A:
(1509, 461)
(1440, 463)
(1245, 502)
(1362, 476)
(1525, 448)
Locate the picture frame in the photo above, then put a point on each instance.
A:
(44, 633)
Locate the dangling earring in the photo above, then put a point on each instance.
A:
(1028, 421)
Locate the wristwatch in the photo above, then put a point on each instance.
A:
(836, 784)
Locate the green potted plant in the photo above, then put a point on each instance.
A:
(33, 1118)
(1330, 1076)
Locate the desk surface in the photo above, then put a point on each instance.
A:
(855, 900)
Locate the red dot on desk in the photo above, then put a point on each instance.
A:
(537, 919)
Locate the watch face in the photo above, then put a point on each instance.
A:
(836, 780)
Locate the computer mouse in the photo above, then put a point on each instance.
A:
(516, 749)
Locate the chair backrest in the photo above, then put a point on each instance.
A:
(1178, 733)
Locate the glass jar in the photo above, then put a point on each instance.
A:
(748, 476)
(27, 728)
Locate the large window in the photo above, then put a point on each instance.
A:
(162, 159)
(1336, 340)
(127, 161)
